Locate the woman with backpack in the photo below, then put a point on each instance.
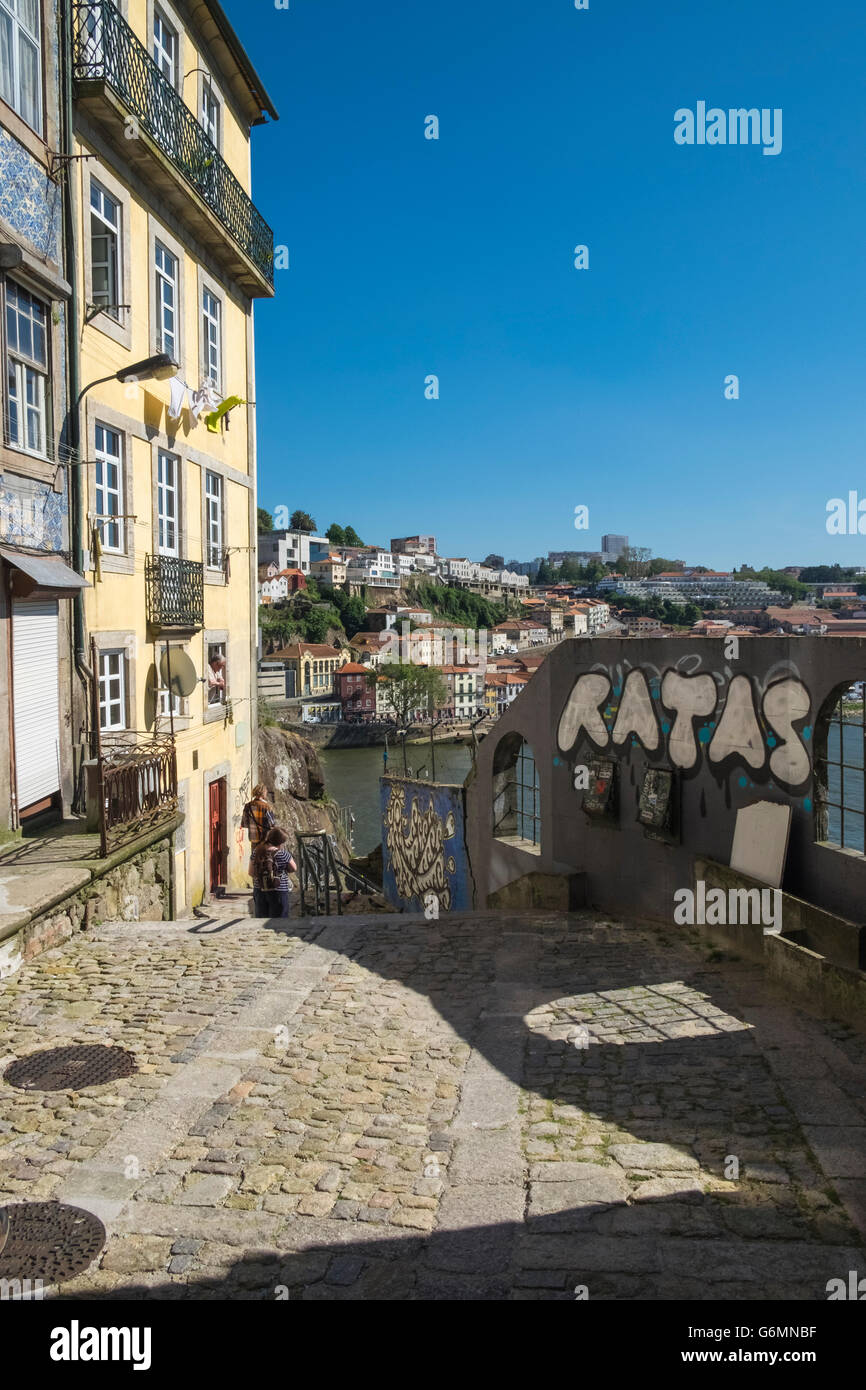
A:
(258, 818)
(271, 865)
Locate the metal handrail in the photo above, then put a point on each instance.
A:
(107, 50)
(319, 871)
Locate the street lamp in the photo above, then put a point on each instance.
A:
(160, 367)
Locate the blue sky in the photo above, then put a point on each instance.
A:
(560, 387)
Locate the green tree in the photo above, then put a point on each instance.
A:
(777, 579)
(279, 629)
(354, 616)
(825, 574)
(265, 521)
(316, 625)
(351, 537)
(301, 521)
(336, 534)
(593, 572)
(407, 690)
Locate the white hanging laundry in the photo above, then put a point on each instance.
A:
(205, 398)
(178, 395)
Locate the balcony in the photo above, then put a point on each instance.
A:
(136, 787)
(116, 79)
(174, 594)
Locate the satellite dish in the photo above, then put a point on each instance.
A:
(177, 672)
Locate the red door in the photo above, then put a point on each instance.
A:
(217, 833)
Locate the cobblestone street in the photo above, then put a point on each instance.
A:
(482, 1108)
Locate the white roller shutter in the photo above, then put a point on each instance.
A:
(36, 697)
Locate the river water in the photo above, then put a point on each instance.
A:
(352, 778)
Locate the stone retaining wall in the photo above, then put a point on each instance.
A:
(138, 889)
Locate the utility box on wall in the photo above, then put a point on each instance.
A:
(658, 803)
(600, 797)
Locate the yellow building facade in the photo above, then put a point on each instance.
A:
(170, 253)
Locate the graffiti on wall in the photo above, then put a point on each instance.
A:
(690, 715)
(423, 845)
(242, 796)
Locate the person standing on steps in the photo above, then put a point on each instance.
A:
(258, 818)
(272, 863)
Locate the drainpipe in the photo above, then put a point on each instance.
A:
(73, 418)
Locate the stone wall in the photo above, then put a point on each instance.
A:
(136, 890)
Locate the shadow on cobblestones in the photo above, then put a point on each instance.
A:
(509, 1108)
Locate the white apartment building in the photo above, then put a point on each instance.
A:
(597, 615)
(509, 580)
(458, 569)
(270, 590)
(575, 624)
(429, 565)
(292, 549)
(375, 568)
(690, 587)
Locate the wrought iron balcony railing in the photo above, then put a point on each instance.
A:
(137, 786)
(107, 50)
(175, 592)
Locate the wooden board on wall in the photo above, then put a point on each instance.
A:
(761, 841)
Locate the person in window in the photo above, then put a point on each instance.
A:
(272, 864)
(216, 679)
(258, 818)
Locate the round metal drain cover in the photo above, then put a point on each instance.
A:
(70, 1068)
(49, 1242)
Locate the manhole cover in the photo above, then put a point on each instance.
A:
(49, 1242)
(70, 1068)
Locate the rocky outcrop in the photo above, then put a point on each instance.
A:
(289, 767)
(370, 865)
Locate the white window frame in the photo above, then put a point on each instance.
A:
(27, 374)
(22, 39)
(210, 112)
(214, 519)
(109, 497)
(215, 697)
(165, 54)
(166, 280)
(164, 702)
(111, 231)
(112, 688)
(167, 502)
(211, 337)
